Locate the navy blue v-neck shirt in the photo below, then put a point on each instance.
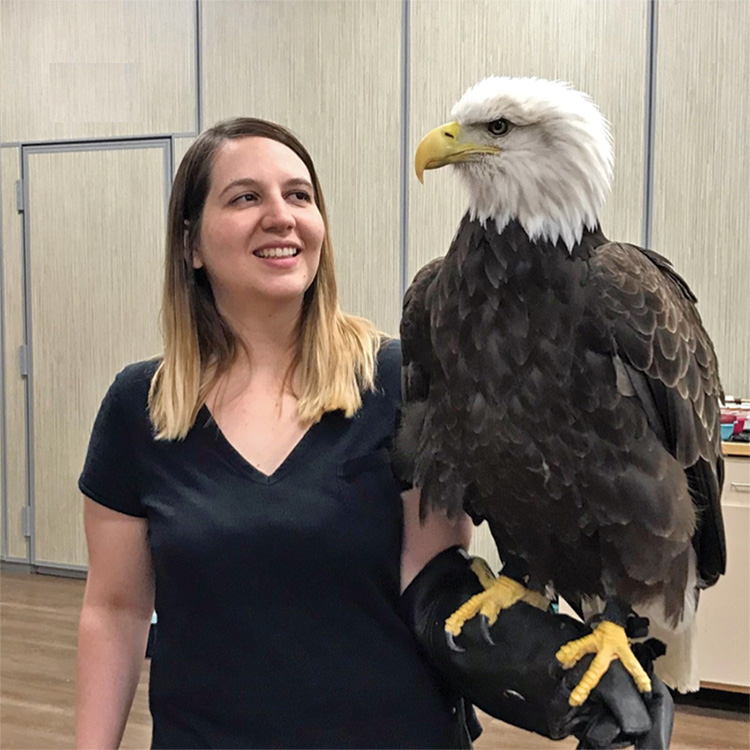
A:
(277, 596)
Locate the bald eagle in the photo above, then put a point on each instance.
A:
(560, 385)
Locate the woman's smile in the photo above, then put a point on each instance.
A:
(278, 256)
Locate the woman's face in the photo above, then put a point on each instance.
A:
(261, 232)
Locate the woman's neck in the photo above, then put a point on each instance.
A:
(267, 341)
(267, 329)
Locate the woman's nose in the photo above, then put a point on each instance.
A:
(277, 215)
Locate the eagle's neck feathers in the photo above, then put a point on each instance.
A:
(559, 203)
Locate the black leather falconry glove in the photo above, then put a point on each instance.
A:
(519, 680)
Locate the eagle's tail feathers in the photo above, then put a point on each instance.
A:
(678, 619)
(679, 666)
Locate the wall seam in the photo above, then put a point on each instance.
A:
(29, 391)
(198, 66)
(100, 139)
(649, 122)
(405, 126)
(3, 397)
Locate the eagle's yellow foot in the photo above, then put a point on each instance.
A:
(499, 593)
(488, 579)
(609, 642)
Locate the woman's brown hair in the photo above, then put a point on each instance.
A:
(336, 353)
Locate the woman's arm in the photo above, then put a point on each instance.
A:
(424, 540)
(117, 606)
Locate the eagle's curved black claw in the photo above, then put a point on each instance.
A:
(484, 626)
(452, 645)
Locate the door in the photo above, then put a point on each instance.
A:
(94, 235)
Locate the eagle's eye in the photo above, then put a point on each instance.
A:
(498, 127)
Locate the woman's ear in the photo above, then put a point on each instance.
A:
(192, 256)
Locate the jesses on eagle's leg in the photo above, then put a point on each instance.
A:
(499, 593)
(608, 641)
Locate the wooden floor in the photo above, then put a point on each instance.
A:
(38, 622)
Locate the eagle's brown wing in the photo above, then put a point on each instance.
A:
(416, 346)
(417, 366)
(671, 364)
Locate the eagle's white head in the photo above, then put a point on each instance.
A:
(528, 149)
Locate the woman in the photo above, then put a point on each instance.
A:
(241, 485)
(234, 478)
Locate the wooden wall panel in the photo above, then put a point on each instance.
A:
(600, 47)
(330, 71)
(702, 170)
(97, 221)
(15, 388)
(85, 68)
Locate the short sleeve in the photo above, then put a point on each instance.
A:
(110, 471)
(389, 370)
(389, 379)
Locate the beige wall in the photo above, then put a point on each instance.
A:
(87, 68)
(332, 71)
(702, 167)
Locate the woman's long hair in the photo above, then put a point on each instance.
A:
(336, 353)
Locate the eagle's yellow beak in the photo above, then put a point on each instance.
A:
(443, 146)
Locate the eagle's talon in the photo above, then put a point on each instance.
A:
(484, 627)
(452, 645)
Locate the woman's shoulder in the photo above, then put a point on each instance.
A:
(121, 431)
(388, 375)
(390, 352)
(136, 374)
(131, 385)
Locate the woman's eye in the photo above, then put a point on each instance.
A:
(302, 195)
(498, 127)
(245, 198)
